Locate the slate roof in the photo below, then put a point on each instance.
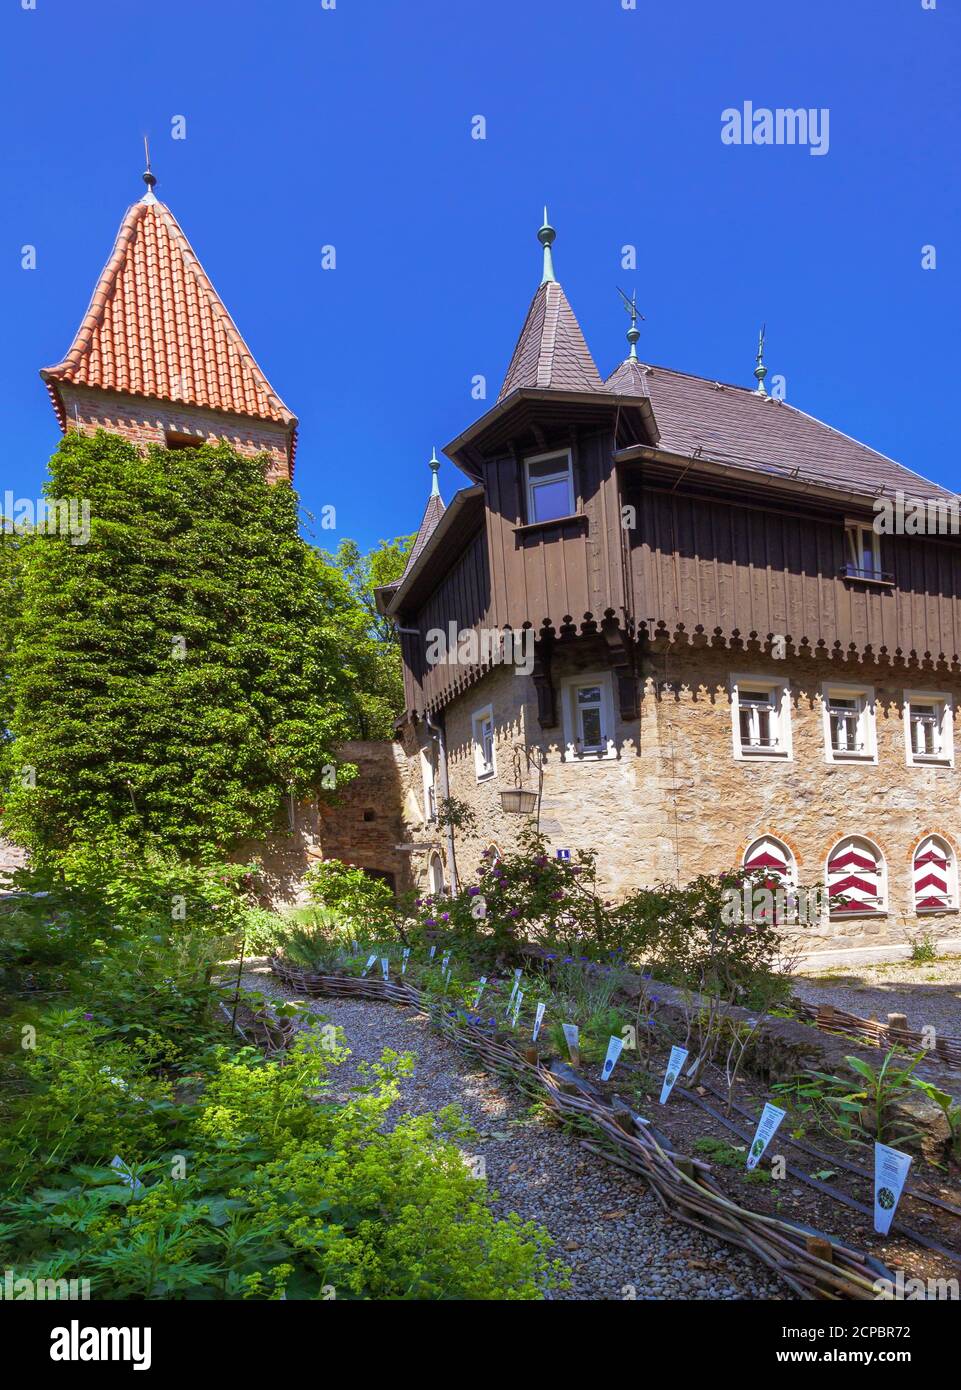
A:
(732, 424)
(551, 352)
(156, 327)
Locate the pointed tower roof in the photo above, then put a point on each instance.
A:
(156, 327)
(432, 515)
(551, 353)
(630, 377)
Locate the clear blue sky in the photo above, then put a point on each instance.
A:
(353, 127)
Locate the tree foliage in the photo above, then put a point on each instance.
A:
(375, 648)
(179, 673)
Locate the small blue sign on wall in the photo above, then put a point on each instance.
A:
(563, 854)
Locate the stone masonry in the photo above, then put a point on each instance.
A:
(675, 803)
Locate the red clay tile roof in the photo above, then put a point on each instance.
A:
(551, 352)
(156, 327)
(734, 425)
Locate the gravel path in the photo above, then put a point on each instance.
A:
(605, 1224)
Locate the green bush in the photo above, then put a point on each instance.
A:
(282, 1193)
(364, 905)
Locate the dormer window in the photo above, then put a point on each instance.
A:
(549, 480)
(862, 547)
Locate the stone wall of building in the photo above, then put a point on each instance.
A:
(11, 857)
(675, 802)
(145, 421)
(364, 826)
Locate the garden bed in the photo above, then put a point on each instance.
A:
(705, 1195)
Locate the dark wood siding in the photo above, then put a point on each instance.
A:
(700, 561)
(547, 573)
(461, 597)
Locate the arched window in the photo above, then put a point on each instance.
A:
(435, 870)
(494, 855)
(856, 878)
(935, 876)
(771, 857)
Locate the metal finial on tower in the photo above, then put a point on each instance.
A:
(546, 237)
(760, 371)
(149, 177)
(435, 469)
(633, 333)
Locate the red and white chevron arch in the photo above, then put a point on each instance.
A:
(771, 857)
(856, 874)
(935, 876)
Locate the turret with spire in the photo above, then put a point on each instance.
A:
(551, 353)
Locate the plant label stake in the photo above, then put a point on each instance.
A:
(516, 985)
(445, 960)
(538, 1020)
(890, 1174)
(771, 1117)
(674, 1064)
(432, 950)
(385, 967)
(125, 1174)
(370, 961)
(572, 1037)
(447, 975)
(614, 1048)
(480, 990)
(353, 948)
(518, 1000)
(404, 959)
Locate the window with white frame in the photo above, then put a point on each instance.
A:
(849, 732)
(935, 877)
(862, 551)
(761, 712)
(588, 710)
(549, 482)
(856, 878)
(482, 725)
(929, 727)
(430, 783)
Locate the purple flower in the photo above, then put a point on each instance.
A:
(473, 892)
(430, 922)
(445, 916)
(88, 1016)
(514, 912)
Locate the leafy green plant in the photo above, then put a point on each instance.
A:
(364, 905)
(923, 949)
(860, 1110)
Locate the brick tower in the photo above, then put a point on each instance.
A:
(158, 358)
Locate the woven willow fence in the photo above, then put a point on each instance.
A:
(813, 1265)
(833, 1020)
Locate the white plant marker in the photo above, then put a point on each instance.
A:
(480, 990)
(771, 1117)
(385, 967)
(445, 960)
(404, 959)
(370, 961)
(518, 1000)
(432, 950)
(890, 1174)
(674, 1064)
(572, 1036)
(538, 1020)
(516, 985)
(125, 1174)
(614, 1048)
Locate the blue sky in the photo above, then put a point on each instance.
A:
(307, 127)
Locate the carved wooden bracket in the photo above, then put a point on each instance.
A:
(620, 656)
(541, 676)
